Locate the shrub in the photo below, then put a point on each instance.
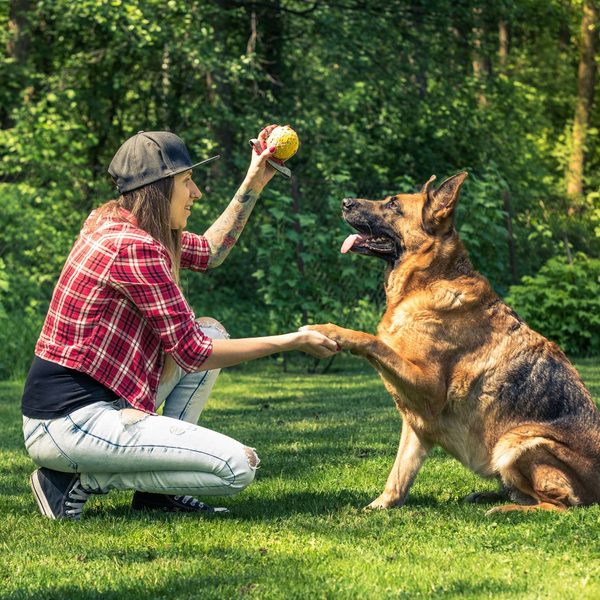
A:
(562, 302)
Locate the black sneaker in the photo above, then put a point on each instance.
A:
(186, 504)
(59, 495)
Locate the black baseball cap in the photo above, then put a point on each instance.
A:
(149, 156)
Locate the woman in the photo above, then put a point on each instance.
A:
(101, 371)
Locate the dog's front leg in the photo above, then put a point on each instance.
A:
(349, 339)
(412, 452)
(422, 387)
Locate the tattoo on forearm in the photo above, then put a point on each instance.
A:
(225, 231)
(243, 198)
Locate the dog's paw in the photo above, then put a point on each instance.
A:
(495, 510)
(333, 332)
(382, 503)
(506, 508)
(483, 497)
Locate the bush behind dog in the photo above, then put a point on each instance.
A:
(562, 302)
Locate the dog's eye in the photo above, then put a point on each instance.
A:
(394, 206)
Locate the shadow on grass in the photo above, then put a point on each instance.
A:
(249, 580)
(253, 508)
(289, 505)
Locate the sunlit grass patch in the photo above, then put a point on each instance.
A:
(327, 443)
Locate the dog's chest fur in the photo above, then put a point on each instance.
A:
(437, 327)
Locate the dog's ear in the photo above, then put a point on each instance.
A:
(443, 201)
(427, 185)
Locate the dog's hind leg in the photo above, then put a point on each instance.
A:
(412, 452)
(536, 467)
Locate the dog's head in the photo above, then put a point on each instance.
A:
(403, 224)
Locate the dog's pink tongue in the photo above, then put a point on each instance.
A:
(350, 241)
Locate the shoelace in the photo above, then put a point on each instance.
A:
(77, 497)
(194, 503)
(186, 499)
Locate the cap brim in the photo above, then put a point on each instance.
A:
(202, 162)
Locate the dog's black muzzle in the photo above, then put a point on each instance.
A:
(379, 241)
(348, 204)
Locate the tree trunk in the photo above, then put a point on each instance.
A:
(16, 48)
(220, 93)
(481, 63)
(460, 52)
(567, 247)
(564, 34)
(503, 49)
(270, 34)
(166, 86)
(19, 38)
(418, 74)
(586, 80)
(298, 228)
(511, 239)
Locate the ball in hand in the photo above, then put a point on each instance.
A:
(285, 140)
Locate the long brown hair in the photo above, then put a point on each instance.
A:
(151, 207)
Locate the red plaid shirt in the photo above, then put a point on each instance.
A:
(116, 309)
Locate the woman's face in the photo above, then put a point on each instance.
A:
(185, 191)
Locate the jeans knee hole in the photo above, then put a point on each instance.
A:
(253, 460)
(208, 323)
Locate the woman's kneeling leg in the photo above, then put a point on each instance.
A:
(130, 450)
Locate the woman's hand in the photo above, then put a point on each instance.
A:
(260, 172)
(316, 344)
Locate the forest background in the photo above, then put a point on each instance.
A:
(383, 94)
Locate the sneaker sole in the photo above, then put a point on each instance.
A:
(39, 496)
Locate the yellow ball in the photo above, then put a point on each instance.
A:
(285, 140)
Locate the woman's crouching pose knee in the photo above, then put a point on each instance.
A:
(244, 468)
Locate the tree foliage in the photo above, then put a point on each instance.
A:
(383, 95)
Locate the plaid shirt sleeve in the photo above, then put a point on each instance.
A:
(195, 252)
(141, 271)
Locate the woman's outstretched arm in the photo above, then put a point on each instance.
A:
(226, 353)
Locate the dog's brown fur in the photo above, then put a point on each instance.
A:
(464, 370)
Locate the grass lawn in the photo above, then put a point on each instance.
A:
(327, 443)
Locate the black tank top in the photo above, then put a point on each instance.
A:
(52, 391)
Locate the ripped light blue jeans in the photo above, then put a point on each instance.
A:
(116, 447)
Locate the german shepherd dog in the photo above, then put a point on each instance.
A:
(464, 370)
